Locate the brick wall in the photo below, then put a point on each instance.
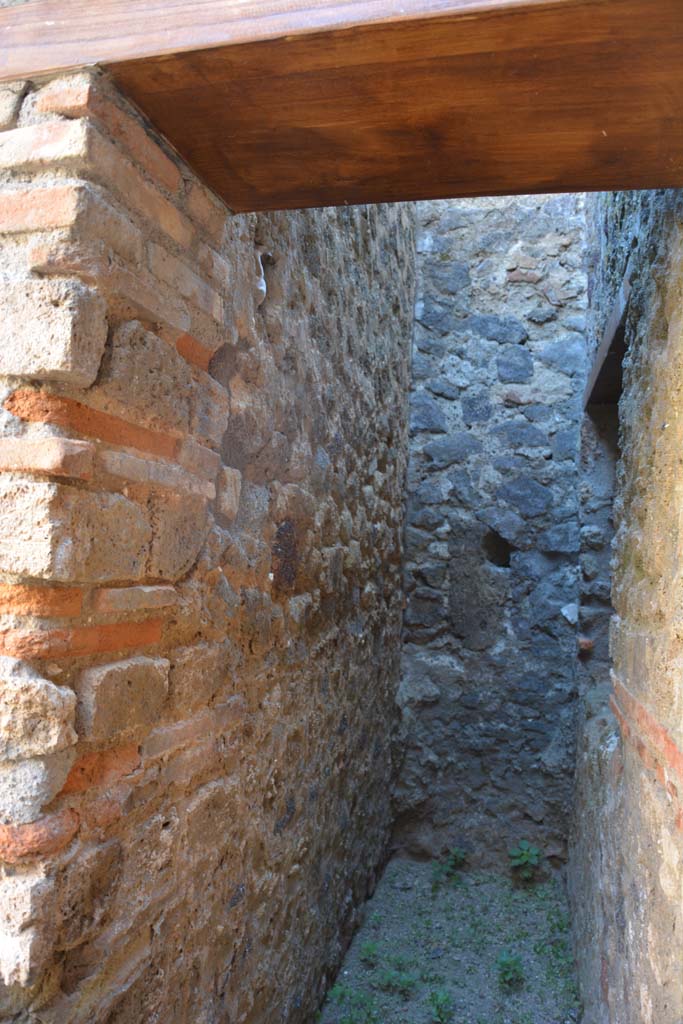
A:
(626, 869)
(202, 459)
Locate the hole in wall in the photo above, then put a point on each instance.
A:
(496, 549)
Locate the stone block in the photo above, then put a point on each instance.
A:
(197, 674)
(198, 459)
(58, 532)
(121, 699)
(458, 447)
(133, 599)
(27, 786)
(153, 473)
(11, 95)
(36, 717)
(84, 887)
(526, 495)
(146, 375)
(228, 492)
(27, 925)
(426, 414)
(496, 328)
(180, 527)
(52, 330)
(515, 366)
(210, 412)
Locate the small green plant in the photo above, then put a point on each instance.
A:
(369, 954)
(446, 870)
(357, 1007)
(441, 1006)
(398, 980)
(510, 971)
(525, 859)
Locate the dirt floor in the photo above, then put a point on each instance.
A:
(441, 945)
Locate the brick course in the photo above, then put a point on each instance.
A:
(156, 411)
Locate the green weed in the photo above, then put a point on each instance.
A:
(357, 1007)
(400, 981)
(446, 870)
(369, 954)
(525, 859)
(441, 1006)
(510, 971)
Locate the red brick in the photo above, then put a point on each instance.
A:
(43, 407)
(109, 165)
(40, 838)
(52, 602)
(102, 768)
(39, 145)
(131, 294)
(649, 728)
(81, 95)
(215, 267)
(82, 641)
(623, 724)
(55, 456)
(181, 278)
(194, 352)
(207, 210)
(39, 209)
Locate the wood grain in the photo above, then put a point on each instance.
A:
(280, 105)
(43, 36)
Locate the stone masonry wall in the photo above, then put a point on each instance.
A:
(626, 869)
(492, 539)
(202, 465)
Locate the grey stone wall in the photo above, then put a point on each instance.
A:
(626, 864)
(492, 538)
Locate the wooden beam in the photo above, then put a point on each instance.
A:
(281, 104)
(40, 37)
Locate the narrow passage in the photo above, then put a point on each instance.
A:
(443, 944)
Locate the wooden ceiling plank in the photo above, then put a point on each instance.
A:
(389, 100)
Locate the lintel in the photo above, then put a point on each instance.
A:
(284, 104)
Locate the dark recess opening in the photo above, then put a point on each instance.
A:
(497, 549)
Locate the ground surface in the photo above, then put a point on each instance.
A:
(432, 946)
